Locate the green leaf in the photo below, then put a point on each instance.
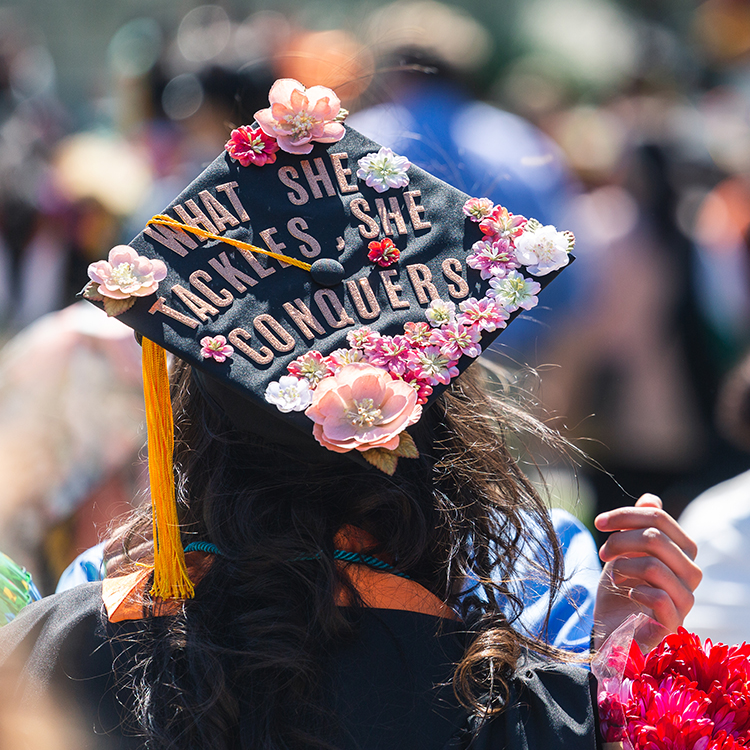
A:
(382, 459)
(115, 307)
(91, 292)
(406, 448)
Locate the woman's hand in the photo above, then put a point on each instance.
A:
(648, 567)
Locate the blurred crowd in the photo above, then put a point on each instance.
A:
(630, 128)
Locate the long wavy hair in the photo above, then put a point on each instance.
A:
(252, 643)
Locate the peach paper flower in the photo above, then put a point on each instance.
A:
(298, 116)
(362, 407)
(126, 274)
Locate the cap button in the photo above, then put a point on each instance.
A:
(327, 272)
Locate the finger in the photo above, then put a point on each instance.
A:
(659, 603)
(648, 500)
(633, 572)
(643, 517)
(652, 543)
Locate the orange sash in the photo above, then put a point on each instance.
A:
(126, 597)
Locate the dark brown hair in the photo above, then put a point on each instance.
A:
(251, 643)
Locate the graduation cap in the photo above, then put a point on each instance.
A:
(324, 290)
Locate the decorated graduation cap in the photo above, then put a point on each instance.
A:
(323, 288)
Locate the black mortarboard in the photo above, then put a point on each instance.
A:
(337, 288)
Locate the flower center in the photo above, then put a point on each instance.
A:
(300, 124)
(257, 144)
(123, 274)
(364, 413)
(384, 168)
(291, 392)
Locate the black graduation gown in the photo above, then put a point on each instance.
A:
(386, 696)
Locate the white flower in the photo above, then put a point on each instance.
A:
(289, 393)
(514, 291)
(384, 170)
(440, 312)
(543, 250)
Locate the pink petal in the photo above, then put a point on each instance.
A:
(282, 90)
(112, 293)
(340, 430)
(159, 269)
(397, 403)
(389, 444)
(320, 437)
(332, 132)
(416, 413)
(369, 385)
(280, 111)
(266, 121)
(331, 405)
(99, 271)
(142, 265)
(144, 291)
(122, 254)
(317, 93)
(299, 101)
(291, 147)
(354, 370)
(322, 110)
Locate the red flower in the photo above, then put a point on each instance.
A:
(681, 695)
(252, 146)
(384, 252)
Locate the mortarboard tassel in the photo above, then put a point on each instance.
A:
(171, 580)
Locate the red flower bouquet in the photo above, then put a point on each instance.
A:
(680, 696)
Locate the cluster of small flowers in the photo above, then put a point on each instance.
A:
(427, 353)
(512, 241)
(681, 695)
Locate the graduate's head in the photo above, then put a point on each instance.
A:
(324, 291)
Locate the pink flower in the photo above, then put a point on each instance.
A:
(127, 274)
(482, 313)
(384, 253)
(362, 338)
(417, 334)
(216, 347)
(478, 208)
(390, 353)
(501, 224)
(362, 407)
(440, 312)
(298, 116)
(422, 387)
(681, 696)
(455, 339)
(494, 258)
(251, 146)
(312, 366)
(514, 291)
(342, 357)
(432, 365)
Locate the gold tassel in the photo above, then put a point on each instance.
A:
(171, 580)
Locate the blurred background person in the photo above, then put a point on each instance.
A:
(719, 521)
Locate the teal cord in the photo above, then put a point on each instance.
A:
(212, 549)
(339, 554)
(356, 557)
